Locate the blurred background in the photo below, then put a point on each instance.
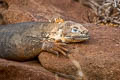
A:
(14, 11)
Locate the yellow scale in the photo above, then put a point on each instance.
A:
(57, 20)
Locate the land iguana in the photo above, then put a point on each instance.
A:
(24, 41)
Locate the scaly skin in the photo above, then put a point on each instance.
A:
(24, 41)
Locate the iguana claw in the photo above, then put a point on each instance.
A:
(55, 48)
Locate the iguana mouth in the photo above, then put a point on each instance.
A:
(77, 37)
(69, 39)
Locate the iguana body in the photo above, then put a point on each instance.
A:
(24, 41)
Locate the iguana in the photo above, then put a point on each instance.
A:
(25, 41)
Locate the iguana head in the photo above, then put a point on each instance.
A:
(69, 31)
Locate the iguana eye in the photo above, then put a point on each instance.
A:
(74, 30)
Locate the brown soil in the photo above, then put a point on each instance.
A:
(99, 57)
(10, 70)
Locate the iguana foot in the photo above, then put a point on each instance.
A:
(55, 48)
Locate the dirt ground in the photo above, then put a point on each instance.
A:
(99, 57)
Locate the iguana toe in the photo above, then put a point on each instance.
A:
(55, 48)
(60, 51)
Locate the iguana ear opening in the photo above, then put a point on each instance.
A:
(60, 27)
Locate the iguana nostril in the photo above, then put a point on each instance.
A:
(81, 32)
(84, 32)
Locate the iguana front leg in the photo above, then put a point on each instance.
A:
(55, 48)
